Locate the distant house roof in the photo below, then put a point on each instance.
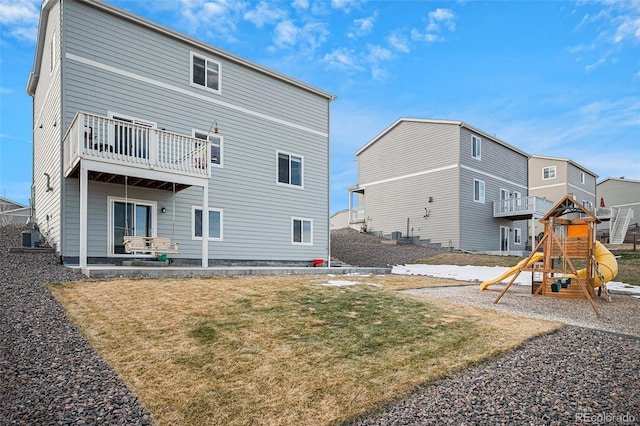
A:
(113, 10)
(10, 205)
(438, 121)
(618, 180)
(567, 160)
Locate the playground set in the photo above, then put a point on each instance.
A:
(568, 238)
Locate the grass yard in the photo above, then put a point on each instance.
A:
(281, 349)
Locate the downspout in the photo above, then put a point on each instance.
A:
(328, 214)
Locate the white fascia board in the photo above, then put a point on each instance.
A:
(32, 81)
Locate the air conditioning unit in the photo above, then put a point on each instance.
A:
(30, 239)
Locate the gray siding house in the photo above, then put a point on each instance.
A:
(620, 198)
(444, 181)
(138, 130)
(553, 178)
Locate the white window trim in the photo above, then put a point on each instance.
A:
(134, 120)
(207, 59)
(482, 195)
(154, 225)
(289, 185)
(473, 151)
(303, 219)
(220, 137)
(193, 224)
(517, 236)
(582, 178)
(549, 168)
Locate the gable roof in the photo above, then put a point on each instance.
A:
(439, 121)
(11, 204)
(618, 180)
(32, 81)
(568, 205)
(566, 160)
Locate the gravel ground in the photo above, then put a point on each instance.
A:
(360, 249)
(571, 377)
(49, 374)
(585, 373)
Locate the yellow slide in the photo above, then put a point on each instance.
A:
(607, 265)
(536, 257)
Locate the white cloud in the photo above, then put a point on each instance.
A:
(378, 54)
(217, 17)
(286, 34)
(343, 59)
(399, 42)
(346, 5)
(629, 28)
(300, 4)
(596, 64)
(445, 16)
(432, 32)
(264, 13)
(307, 38)
(18, 11)
(19, 19)
(615, 29)
(363, 26)
(429, 38)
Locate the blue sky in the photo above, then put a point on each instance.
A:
(554, 78)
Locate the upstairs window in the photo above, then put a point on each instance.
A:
(476, 143)
(205, 72)
(289, 169)
(582, 178)
(549, 172)
(478, 191)
(215, 146)
(301, 231)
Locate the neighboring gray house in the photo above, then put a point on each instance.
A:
(446, 182)
(138, 130)
(621, 198)
(553, 178)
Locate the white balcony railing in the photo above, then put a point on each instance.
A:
(521, 206)
(120, 142)
(356, 215)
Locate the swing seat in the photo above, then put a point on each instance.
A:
(149, 245)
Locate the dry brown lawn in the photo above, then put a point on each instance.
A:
(281, 349)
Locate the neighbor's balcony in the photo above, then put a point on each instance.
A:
(521, 208)
(356, 215)
(123, 143)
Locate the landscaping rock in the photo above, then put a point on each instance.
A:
(49, 374)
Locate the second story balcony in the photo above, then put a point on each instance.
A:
(521, 208)
(122, 147)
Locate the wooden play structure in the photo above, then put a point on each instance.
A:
(569, 238)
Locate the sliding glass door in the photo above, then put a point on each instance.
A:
(130, 218)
